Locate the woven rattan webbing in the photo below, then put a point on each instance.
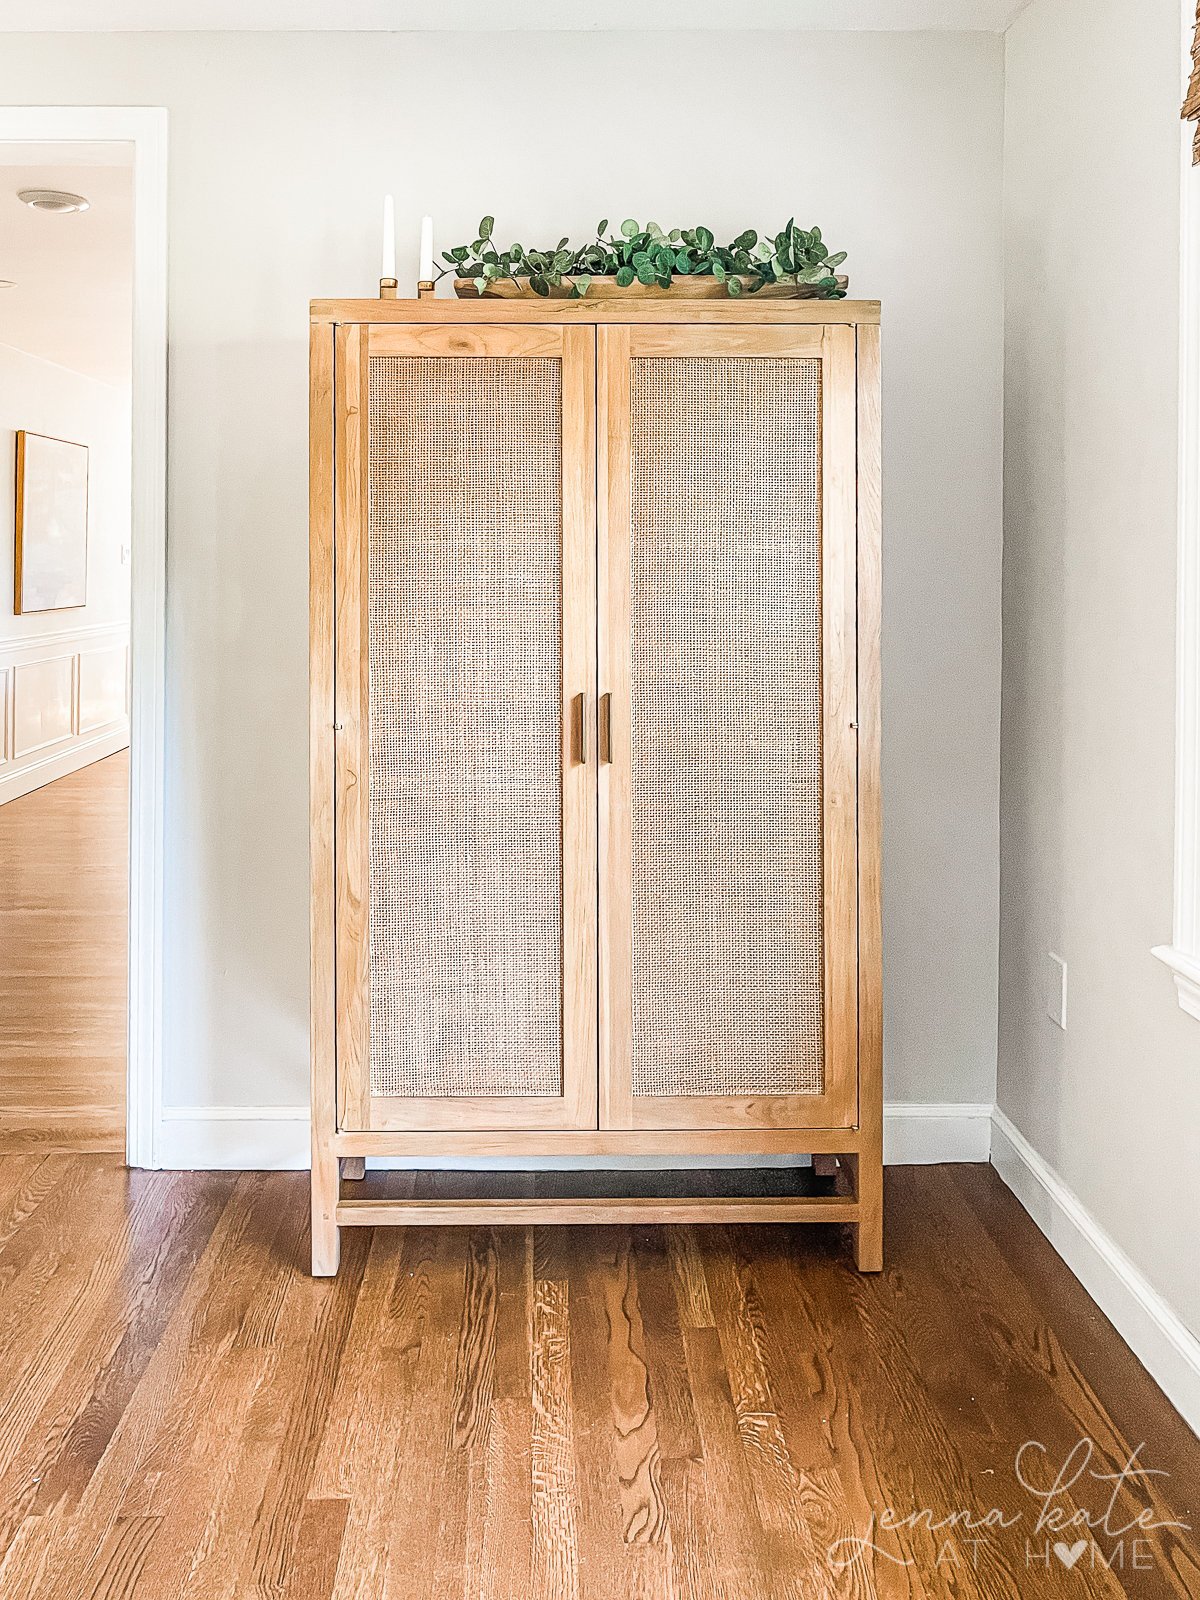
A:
(465, 658)
(726, 726)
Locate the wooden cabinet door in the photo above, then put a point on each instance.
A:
(465, 825)
(728, 873)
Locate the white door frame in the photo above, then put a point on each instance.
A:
(145, 128)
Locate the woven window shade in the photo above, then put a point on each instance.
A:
(1191, 104)
(726, 726)
(465, 705)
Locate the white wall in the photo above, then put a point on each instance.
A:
(63, 673)
(1091, 213)
(281, 147)
(44, 398)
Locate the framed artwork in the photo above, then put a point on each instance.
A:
(52, 517)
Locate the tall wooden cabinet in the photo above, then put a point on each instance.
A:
(595, 747)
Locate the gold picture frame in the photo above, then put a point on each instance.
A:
(50, 565)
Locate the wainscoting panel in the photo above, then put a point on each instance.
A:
(64, 702)
(103, 678)
(43, 704)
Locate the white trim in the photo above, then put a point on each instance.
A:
(918, 1133)
(1187, 976)
(31, 646)
(263, 1137)
(57, 764)
(1182, 955)
(1167, 1348)
(145, 128)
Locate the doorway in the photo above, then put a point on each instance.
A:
(82, 524)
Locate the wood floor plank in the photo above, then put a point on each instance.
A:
(317, 1550)
(498, 1553)
(555, 1490)
(802, 1513)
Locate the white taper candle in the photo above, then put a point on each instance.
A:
(389, 238)
(426, 272)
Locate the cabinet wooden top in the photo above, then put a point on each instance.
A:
(749, 310)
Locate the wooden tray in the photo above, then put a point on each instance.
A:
(683, 287)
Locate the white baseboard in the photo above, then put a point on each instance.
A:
(79, 752)
(1168, 1349)
(233, 1138)
(259, 1138)
(917, 1133)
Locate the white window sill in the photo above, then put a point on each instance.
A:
(1187, 976)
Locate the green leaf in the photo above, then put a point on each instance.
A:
(836, 261)
(486, 226)
(683, 261)
(625, 276)
(645, 272)
(718, 272)
(734, 285)
(601, 225)
(640, 257)
(580, 287)
(704, 239)
(629, 228)
(481, 284)
(746, 241)
(663, 279)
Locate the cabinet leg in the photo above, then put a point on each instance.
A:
(354, 1167)
(867, 1234)
(326, 1236)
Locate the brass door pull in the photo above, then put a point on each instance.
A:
(605, 736)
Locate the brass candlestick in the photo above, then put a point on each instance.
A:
(425, 288)
(387, 288)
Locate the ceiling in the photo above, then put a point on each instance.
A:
(73, 300)
(102, 16)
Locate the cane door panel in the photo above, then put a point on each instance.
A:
(465, 790)
(728, 990)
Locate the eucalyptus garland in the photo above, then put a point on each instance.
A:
(646, 253)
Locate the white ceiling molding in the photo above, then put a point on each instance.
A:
(405, 16)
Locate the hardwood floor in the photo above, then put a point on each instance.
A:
(64, 890)
(591, 1413)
